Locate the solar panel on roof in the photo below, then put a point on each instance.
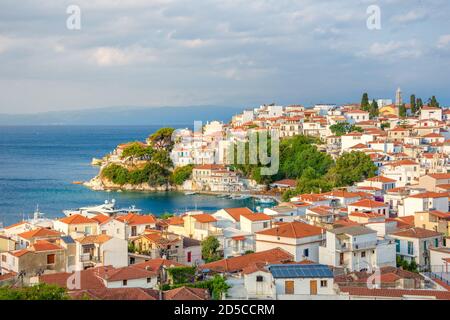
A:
(301, 271)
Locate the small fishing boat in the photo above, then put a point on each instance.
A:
(190, 193)
(77, 182)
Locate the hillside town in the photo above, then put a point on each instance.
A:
(382, 235)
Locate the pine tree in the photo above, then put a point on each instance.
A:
(432, 102)
(413, 104)
(402, 111)
(373, 109)
(365, 105)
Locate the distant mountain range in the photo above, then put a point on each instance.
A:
(125, 116)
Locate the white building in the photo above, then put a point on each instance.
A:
(356, 248)
(299, 239)
(423, 202)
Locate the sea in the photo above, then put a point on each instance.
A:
(38, 165)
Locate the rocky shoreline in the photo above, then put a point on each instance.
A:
(100, 184)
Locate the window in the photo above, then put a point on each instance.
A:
(259, 278)
(289, 287)
(306, 252)
(124, 282)
(189, 256)
(363, 254)
(436, 242)
(117, 230)
(149, 280)
(51, 258)
(397, 245)
(265, 225)
(323, 283)
(410, 247)
(3, 258)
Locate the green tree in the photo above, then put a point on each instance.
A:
(181, 275)
(218, 287)
(365, 105)
(412, 102)
(432, 102)
(163, 158)
(341, 128)
(209, 249)
(115, 173)
(162, 139)
(350, 168)
(181, 174)
(373, 112)
(137, 150)
(402, 111)
(40, 291)
(419, 104)
(166, 215)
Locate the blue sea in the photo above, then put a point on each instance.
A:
(39, 163)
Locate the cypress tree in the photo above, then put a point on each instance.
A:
(419, 104)
(365, 105)
(402, 111)
(373, 109)
(432, 102)
(413, 104)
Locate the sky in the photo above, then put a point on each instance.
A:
(219, 52)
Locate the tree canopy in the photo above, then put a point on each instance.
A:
(342, 128)
(137, 150)
(162, 139)
(209, 249)
(365, 105)
(37, 292)
(181, 174)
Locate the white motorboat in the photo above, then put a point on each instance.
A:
(108, 209)
(190, 193)
(265, 200)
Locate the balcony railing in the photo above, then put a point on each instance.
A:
(347, 246)
(87, 257)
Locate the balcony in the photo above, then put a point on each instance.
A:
(347, 246)
(87, 257)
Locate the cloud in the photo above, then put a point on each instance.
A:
(110, 56)
(394, 49)
(410, 16)
(443, 41)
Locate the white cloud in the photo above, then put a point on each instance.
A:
(443, 41)
(110, 56)
(410, 16)
(394, 49)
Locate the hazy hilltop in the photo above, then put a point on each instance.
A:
(124, 116)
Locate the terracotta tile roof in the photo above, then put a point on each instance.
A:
(101, 238)
(19, 253)
(76, 219)
(440, 214)
(439, 176)
(236, 213)
(209, 167)
(88, 279)
(137, 219)
(116, 294)
(416, 232)
(365, 214)
(7, 276)
(44, 245)
(16, 224)
(237, 264)
(101, 218)
(39, 233)
(381, 179)
(342, 194)
(125, 273)
(256, 216)
(175, 220)
(312, 197)
(186, 293)
(395, 293)
(367, 203)
(294, 229)
(321, 210)
(157, 264)
(288, 182)
(204, 218)
(430, 195)
(402, 163)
